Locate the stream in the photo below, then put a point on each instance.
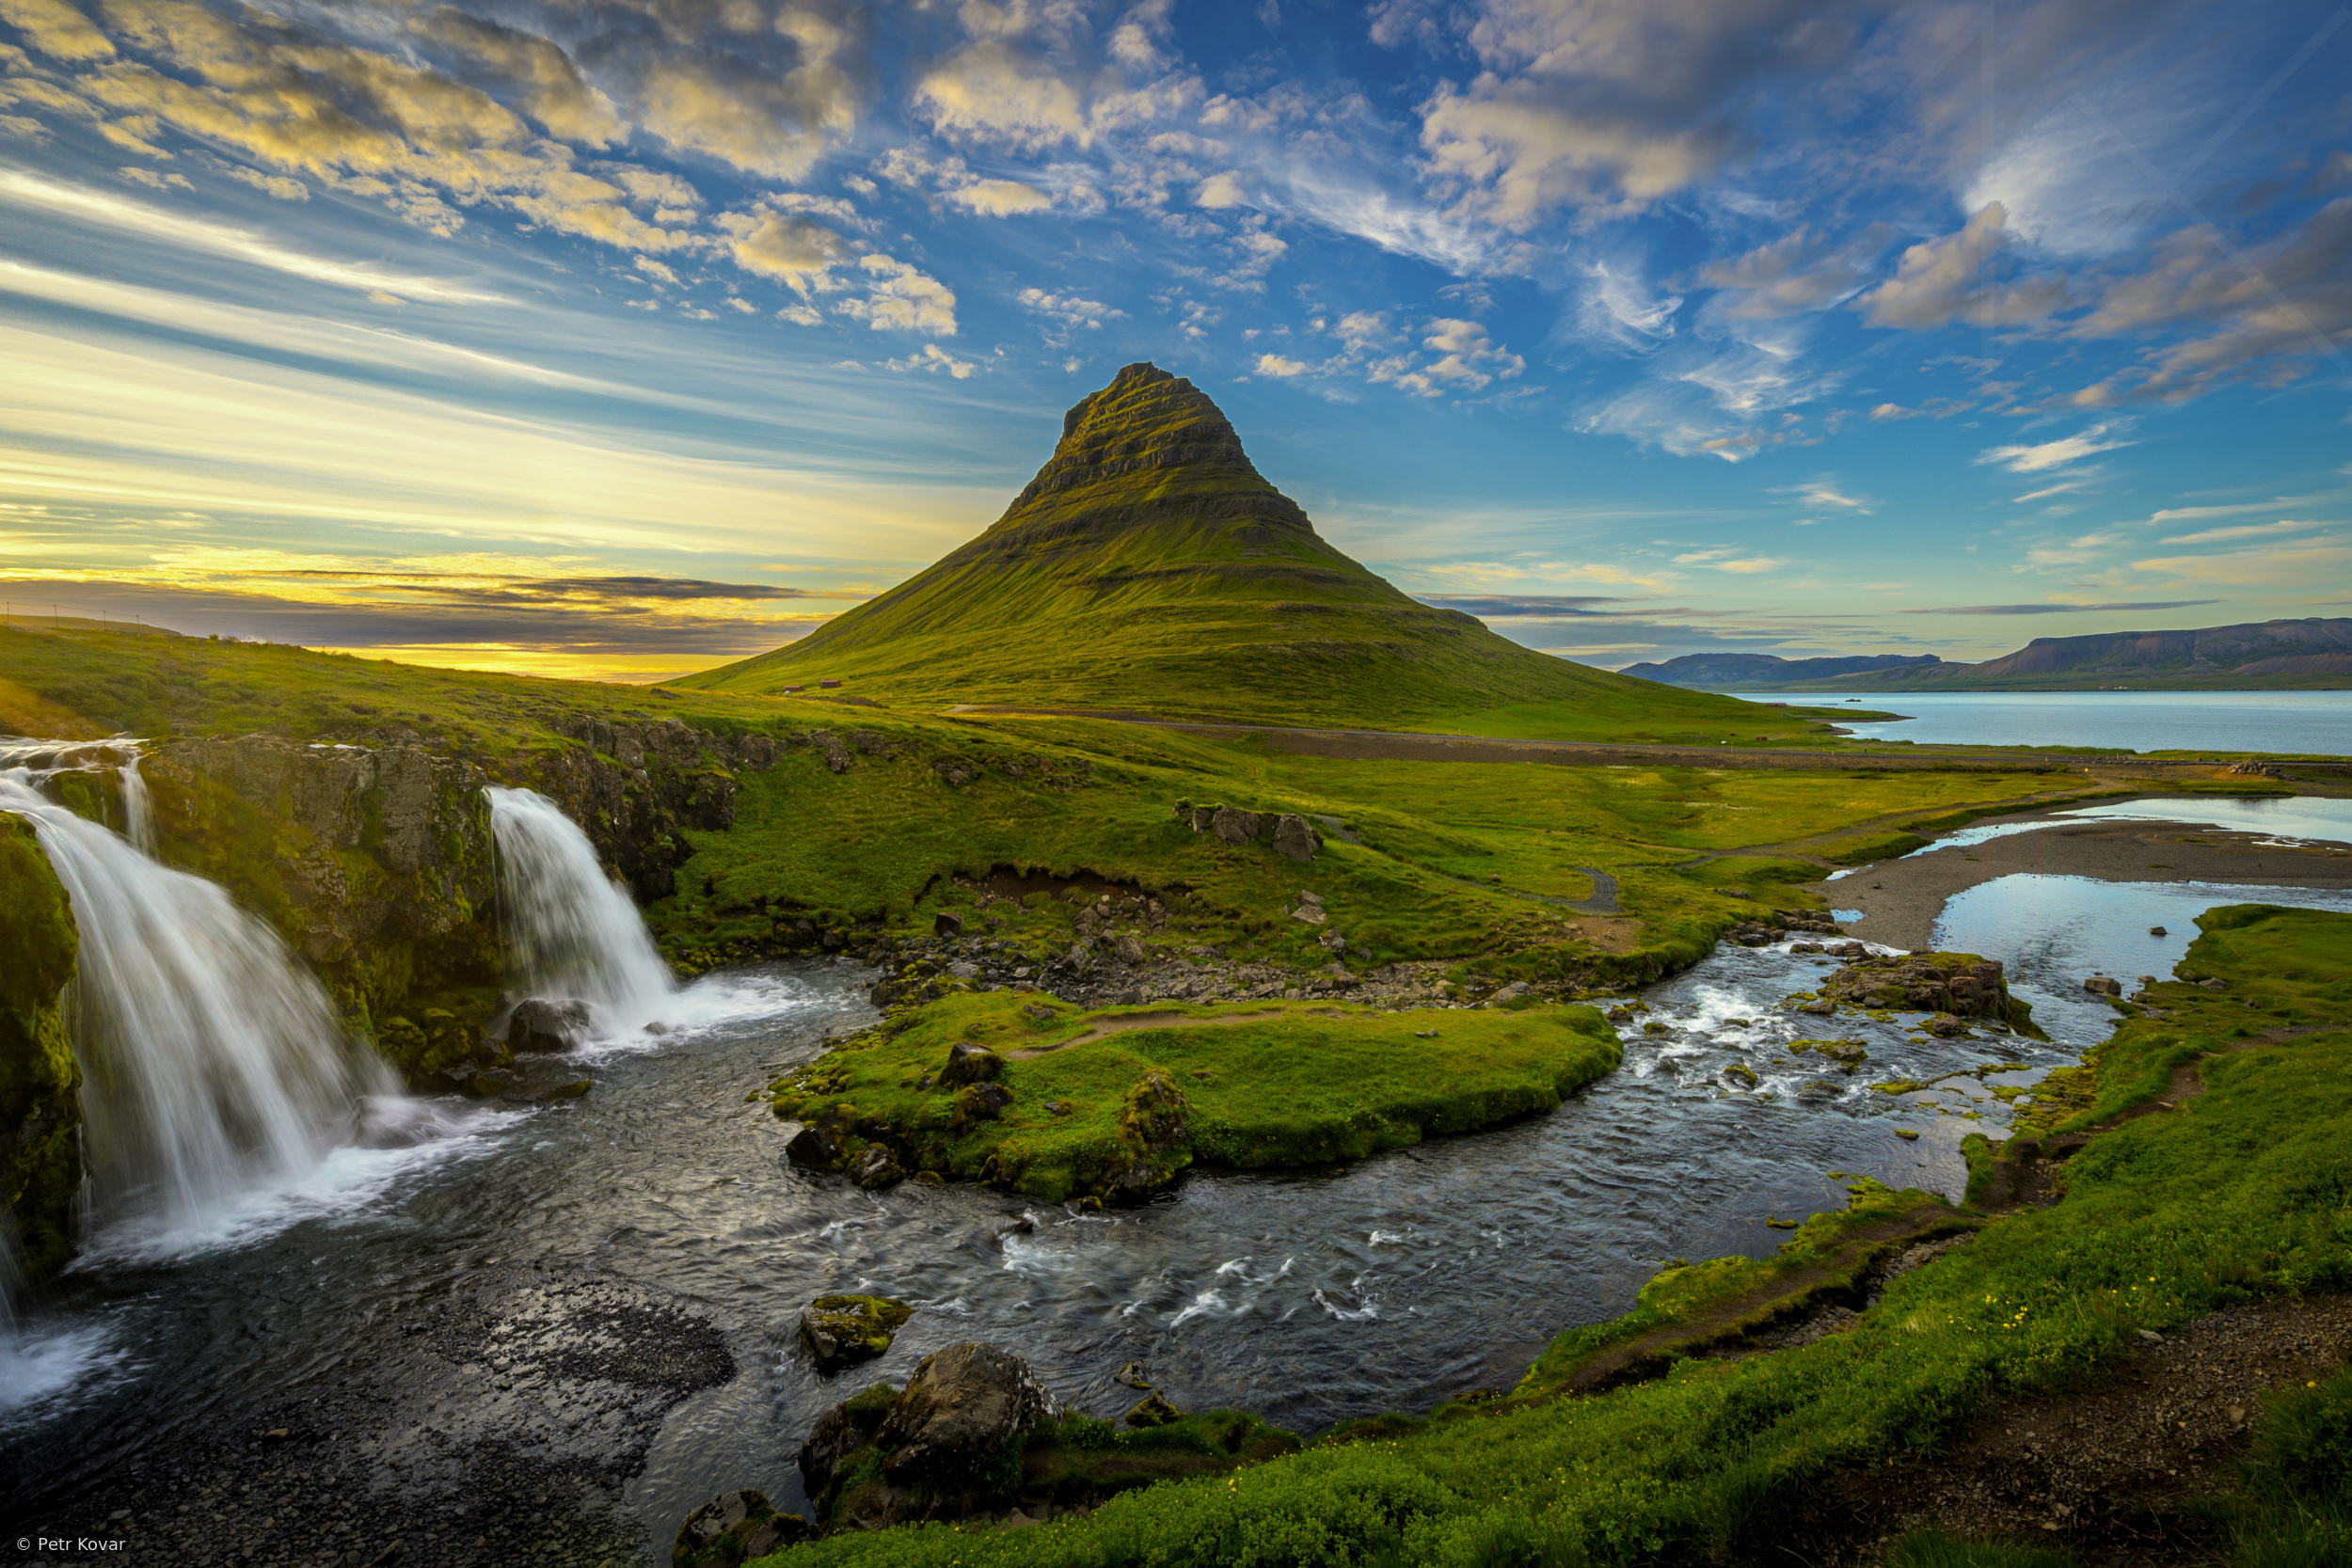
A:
(592, 1302)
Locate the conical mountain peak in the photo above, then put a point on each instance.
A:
(1149, 566)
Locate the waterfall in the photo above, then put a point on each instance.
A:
(574, 934)
(139, 811)
(214, 1068)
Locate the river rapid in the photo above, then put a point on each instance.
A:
(441, 1318)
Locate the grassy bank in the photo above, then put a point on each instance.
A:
(2242, 1193)
(1096, 1096)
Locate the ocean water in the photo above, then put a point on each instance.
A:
(2222, 723)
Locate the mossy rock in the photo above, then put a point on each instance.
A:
(841, 1330)
(733, 1528)
(40, 1081)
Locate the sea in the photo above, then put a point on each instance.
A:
(2219, 722)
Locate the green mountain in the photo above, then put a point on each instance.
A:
(1149, 567)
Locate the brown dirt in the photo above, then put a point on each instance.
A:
(2103, 1472)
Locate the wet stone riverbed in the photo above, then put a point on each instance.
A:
(562, 1329)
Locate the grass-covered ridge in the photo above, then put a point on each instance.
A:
(1150, 566)
(2244, 1192)
(1093, 1094)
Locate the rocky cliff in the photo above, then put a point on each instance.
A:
(40, 1111)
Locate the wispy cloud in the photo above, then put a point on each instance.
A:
(2066, 451)
(2048, 609)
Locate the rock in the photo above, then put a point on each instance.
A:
(1153, 1410)
(2155, 931)
(841, 1330)
(1237, 827)
(1819, 1088)
(1311, 913)
(1909, 1135)
(1132, 1375)
(1740, 1075)
(1204, 818)
(1961, 984)
(1750, 933)
(2212, 985)
(877, 1168)
(572, 1090)
(815, 1147)
(2099, 984)
(1817, 1007)
(1943, 1027)
(982, 1102)
(1848, 1053)
(493, 1081)
(928, 1178)
(1129, 950)
(964, 1403)
(1511, 992)
(1294, 839)
(840, 1431)
(732, 1529)
(1333, 944)
(968, 1063)
(1152, 1135)
(946, 923)
(837, 754)
(539, 1025)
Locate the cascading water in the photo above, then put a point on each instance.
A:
(214, 1068)
(575, 935)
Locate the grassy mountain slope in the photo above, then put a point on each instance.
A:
(1150, 566)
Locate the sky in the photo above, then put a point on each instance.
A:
(621, 338)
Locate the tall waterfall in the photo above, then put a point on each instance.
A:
(213, 1064)
(575, 934)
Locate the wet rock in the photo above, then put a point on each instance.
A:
(982, 1102)
(1294, 839)
(968, 1063)
(1943, 1027)
(1152, 1410)
(544, 1025)
(2155, 931)
(494, 1081)
(1132, 1375)
(1817, 1007)
(963, 1404)
(816, 1147)
(840, 1431)
(572, 1090)
(2100, 985)
(1848, 1053)
(1750, 933)
(841, 1330)
(1819, 1088)
(1740, 1075)
(732, 1529)
(1961, 984)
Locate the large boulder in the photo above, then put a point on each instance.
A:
(733, 1528)
(1295, 839)
(968, 1063)
(1152, 1146)
(1961, 984)
(841, 1330)
(1235, 826)
(964, 1405)
(542, 1026)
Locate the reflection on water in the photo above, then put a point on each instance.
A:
(2296, 819)
(2054, 932)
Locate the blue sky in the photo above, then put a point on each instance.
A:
(620, 337)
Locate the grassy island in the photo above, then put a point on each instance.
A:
(1116, 1100)
(2230, 1188)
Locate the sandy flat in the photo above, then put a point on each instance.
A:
(1904, 898)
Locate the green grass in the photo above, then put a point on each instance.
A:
(2244, 1192)
(1314, 1083)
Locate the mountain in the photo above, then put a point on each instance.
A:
(1770, 672)
(1148, 567)
(2314, 653)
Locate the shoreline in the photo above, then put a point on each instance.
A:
(1901, 899)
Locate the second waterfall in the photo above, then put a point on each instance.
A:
(574, 934)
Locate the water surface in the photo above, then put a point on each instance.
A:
(2223, 723)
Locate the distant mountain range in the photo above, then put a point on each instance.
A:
(2308, 654)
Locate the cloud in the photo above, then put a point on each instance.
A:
(797, 251)
(902, 298)
(1608, 104)
(990, 92)
(1951, 279)
(276, 186)
(1001, 197)
(2060, 608)
(935, 359)
(2046, 455)
(1489, 607)
(2249, 530)
(2256, 568)
(1619, 308)
(147, 177)
(1727, 560)
(554, 93)
(1275, 365)
(1068, 311)
(111, 212)
(1797, 273)
(56, 29)
(1825, 493)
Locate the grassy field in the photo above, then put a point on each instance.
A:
(1282, 1084)
(2244, 1192)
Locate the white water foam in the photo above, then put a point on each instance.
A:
(214, 1068)
(575, 935)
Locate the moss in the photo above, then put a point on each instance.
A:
(1286, 1083)
(40, 1109)
(859, 1327)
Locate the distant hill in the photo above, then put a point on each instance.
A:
(1148, 567)
(2312, 655)
(1768, 672)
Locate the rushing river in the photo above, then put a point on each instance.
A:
(1309, 1296)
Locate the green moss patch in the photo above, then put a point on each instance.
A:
(1284, 1083)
